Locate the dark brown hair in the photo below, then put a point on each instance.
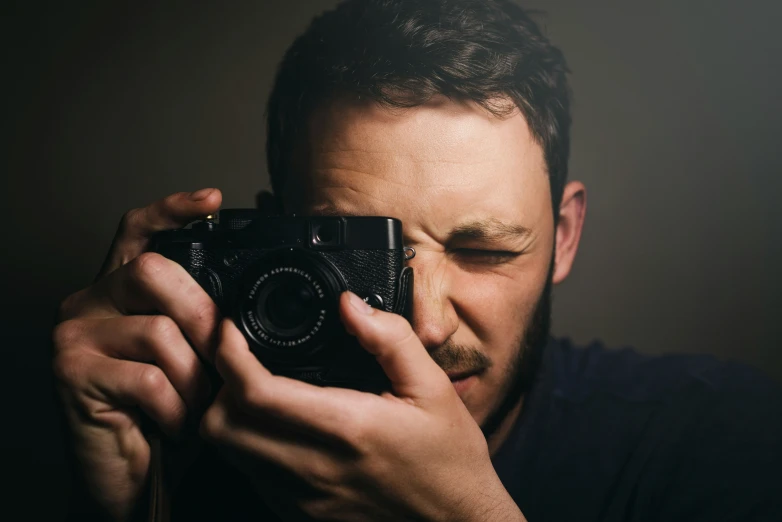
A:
(401, 53)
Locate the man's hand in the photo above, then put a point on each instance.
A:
(121, 350)
(337, 454)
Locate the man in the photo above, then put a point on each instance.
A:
(452, 116)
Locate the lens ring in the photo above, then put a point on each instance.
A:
(311, 319)
(286, 305)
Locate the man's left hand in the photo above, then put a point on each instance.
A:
(339, 454)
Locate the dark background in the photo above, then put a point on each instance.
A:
(676, 136)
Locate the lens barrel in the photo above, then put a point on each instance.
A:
(288, 305)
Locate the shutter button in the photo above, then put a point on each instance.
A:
(375, 301)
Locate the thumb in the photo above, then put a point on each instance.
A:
(390, 338)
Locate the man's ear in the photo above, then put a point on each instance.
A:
(571, 221)
(268, 204)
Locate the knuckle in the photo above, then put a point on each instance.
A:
(66, 335)
(153, 381)
(68, 369)
(161, 328)
(147, 267)
(399, 324)
(175, 197)
(131, 221)
(405, 335)
(212, 423)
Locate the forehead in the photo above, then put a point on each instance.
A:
(434, 164)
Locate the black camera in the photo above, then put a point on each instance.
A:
(280, 279)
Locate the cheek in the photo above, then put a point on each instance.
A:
(494, 306)
(494, 311)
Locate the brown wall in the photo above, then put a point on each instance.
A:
(676, 135)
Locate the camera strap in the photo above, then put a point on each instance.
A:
(159, 499)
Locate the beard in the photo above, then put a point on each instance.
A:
(521, 373)
(524, 367)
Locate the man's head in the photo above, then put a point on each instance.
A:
(452, 116)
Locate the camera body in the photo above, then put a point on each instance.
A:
(280, 279)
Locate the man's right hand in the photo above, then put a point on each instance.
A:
(124, 350)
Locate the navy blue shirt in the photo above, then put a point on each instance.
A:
(612, 435)
(607, 435)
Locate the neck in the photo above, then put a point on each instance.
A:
(499, 435)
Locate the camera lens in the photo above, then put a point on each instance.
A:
(289, 305)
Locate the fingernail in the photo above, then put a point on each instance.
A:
(200, 195)
(359, 304)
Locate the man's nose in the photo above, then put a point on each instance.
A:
(433, 318)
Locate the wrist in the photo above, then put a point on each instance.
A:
(493, 503)
(503, 511)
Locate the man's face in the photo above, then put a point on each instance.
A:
(473, 195)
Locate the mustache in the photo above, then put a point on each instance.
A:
(452, 357)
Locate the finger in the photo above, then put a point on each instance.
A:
(228, 426)
(390, 338)
(284, 467)
(153, 284)
(331, 412)
(152, 339)
(138, 225)
(134, 384)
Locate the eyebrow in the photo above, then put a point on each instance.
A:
(490, 230)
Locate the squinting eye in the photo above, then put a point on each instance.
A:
(490, 257)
